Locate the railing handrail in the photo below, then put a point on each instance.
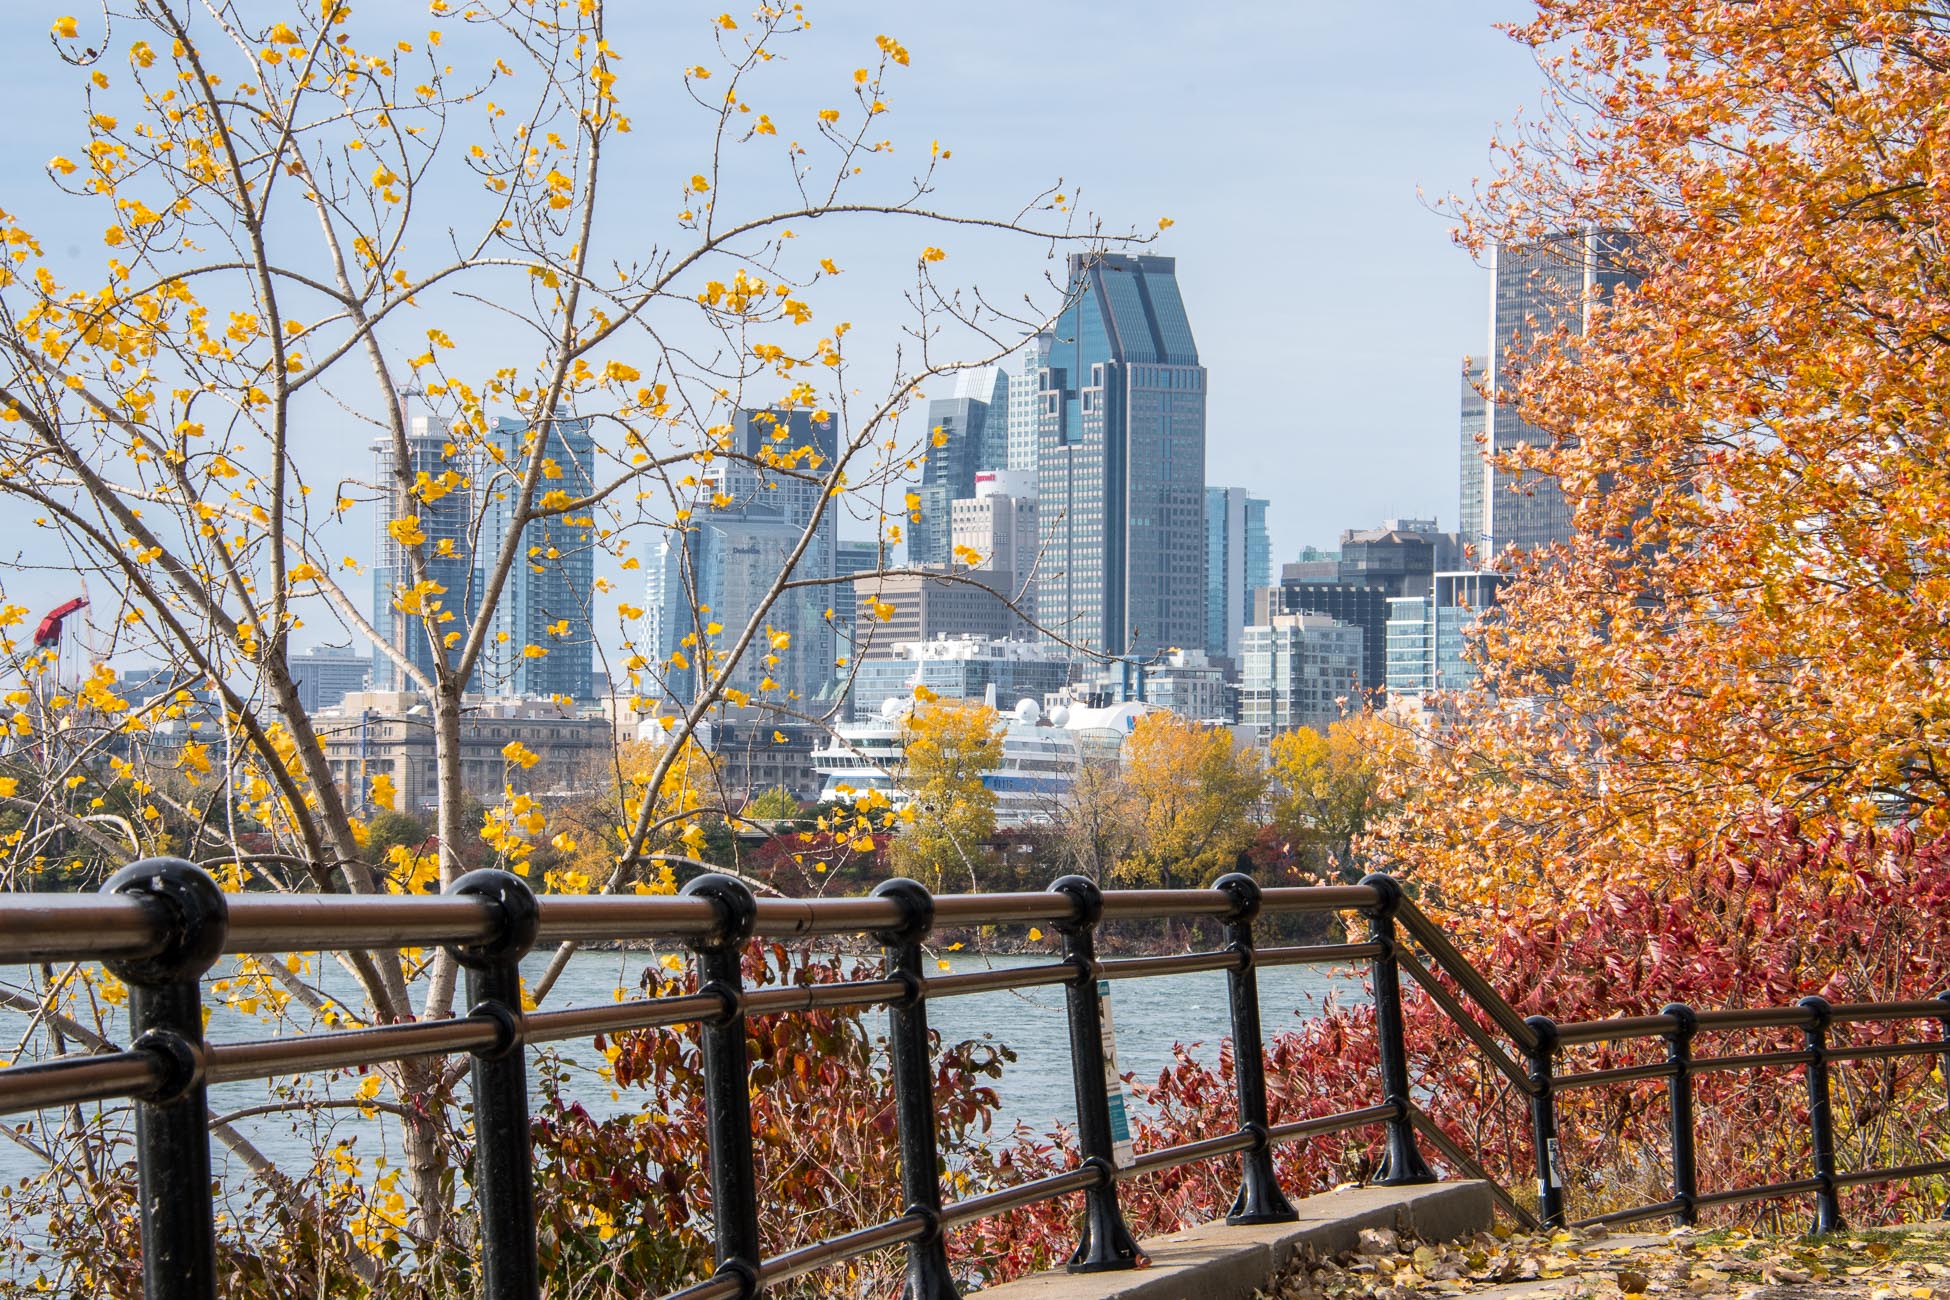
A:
(161, 924)
(38, 927)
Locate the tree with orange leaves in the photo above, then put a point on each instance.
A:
(1753, 617)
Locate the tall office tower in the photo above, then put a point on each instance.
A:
(1024, 407)
(1226, 609)
(326, 676)
(990, 387)
(1535, 289)
(546, 601)
(1475, 466)
(448, 519)
(971, 423)
(1120, 462)
(720, 568)
(998, 523)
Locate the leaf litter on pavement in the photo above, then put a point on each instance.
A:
(1727, 1264)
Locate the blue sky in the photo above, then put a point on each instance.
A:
(1298, 148)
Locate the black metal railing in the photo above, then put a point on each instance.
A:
(161, 924)
(1541, 1042)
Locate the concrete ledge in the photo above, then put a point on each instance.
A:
(1216, 1261)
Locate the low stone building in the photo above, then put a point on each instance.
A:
(370, 732)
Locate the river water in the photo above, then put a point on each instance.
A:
(1150, 1017)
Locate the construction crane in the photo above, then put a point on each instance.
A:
(48, 634)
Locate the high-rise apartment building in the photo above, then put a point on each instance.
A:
(1536, 289)
(722, 565)
(545, 602)
(1298, 670)
(434, 485)
(1121, 461)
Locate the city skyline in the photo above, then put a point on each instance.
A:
(1364, 147)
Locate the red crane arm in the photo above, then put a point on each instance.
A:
(49, 631)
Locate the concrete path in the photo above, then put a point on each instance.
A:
(1723, 1265)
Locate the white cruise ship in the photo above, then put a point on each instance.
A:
(1039, 762)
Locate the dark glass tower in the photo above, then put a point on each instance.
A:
(1121, 461)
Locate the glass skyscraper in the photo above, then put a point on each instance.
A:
(1536, 288)
(445, 521)
(1236, 553)
(719, 567)
(1023, 416)
(1475, 467)
(1259, 549)
(546, 600)
(1121, 461)
(973, 419)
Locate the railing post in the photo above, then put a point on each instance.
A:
(504, 1162)
(1260, 1199)
(1679, 1096)
(1943, 1027)
(727, 1077)
(928, 1277)
(1403, 1163)
(172, 1137)
(1543, 1121)
(1107, 1243)
(1821, 1116)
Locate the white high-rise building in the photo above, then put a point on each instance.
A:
(1298, 670)
(998, 523)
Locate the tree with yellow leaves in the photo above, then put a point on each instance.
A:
(1195, 792)
(1326, 789)
(312, 220)
(947, 749)
(1752, 619)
